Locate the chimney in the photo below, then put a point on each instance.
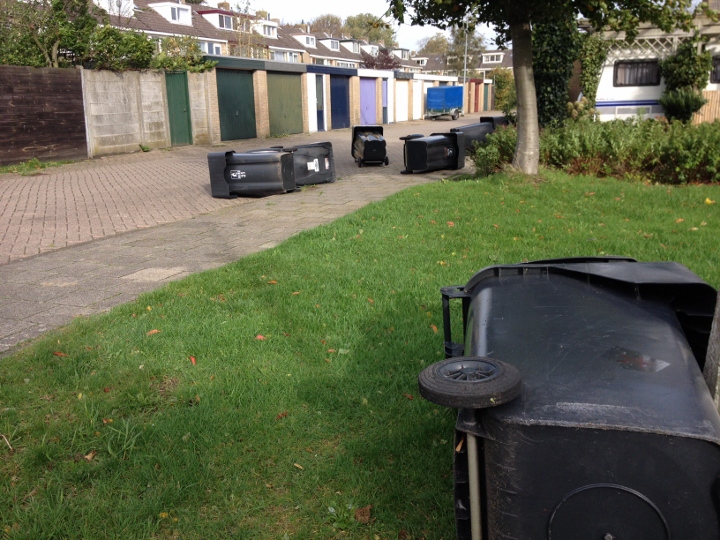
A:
(224, 5)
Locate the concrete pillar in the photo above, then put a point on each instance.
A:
(378, 101)
(305, 105)
(328, 103)
(354, 101)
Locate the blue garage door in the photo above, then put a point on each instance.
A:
(340, 101)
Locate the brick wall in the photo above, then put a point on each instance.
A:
(305, 105)
(262, 110)
(378, 101)
(354, 101)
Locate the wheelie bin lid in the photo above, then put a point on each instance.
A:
(601, 343)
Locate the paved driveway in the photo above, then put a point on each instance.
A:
(88, 236)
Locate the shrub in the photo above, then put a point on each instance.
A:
(682, 103)
(672, 153)
(505, 96)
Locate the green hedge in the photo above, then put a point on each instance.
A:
(642, 149)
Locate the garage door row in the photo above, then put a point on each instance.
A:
(240, 97)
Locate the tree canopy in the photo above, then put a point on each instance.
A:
(370, 28)
(383, 60)
(327, 24)
(513, 20)
(437, 44)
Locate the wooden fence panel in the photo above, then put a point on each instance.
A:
(41, 114)
(711, 110)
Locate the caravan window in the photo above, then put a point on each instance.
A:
(715, 73)
(637, 73)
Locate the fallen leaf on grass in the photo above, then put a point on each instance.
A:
(153, 332)
(450, 224)
(281, 415)
(91, 455)
(331, 350)
(296, 293)
(260, 337)
(496, 225)
(272, 282)
(434, 328)
(192, 359)
(299, 466)
(362, 515)
(409, 396)
(371, 300)
(679, 220)
(107, 421)
(709, 201)
(343, 351)
(58, 353)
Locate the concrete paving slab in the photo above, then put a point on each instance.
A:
(92, 235)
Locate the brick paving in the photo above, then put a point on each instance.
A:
(87, 236)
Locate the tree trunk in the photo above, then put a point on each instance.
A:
(527, 150)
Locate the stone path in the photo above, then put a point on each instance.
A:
(91, 235)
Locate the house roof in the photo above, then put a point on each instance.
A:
(146, 19)
(507, 60)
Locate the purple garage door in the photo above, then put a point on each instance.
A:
(368, 104)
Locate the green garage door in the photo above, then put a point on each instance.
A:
(176, 85)
(236, 101)
(285, 103)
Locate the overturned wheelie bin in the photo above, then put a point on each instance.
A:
(583, 412)
(270, 171)
(474, 133)
(313, 163)
(266, 171)
(433, 153)
(369, 145)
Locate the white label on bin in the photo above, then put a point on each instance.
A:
(313, 166)
(327, 164)
(237, 175)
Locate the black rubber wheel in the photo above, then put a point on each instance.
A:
(470, 382)
(360, 162)
(386, 161)
(455, 116)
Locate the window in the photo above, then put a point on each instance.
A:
(293, 57)
(356, 48)
(226, 22)
(636, 73)
(335, 45)
(715, 73)
(180, 15)
(269, 31)
(309, 40)
(492, 58)
(405, 55)
(320, 61)
(346, 65)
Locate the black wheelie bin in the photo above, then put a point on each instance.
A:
(369, 145)
(314, 163)
(583, 412)
(433, 153)
(474, 133)
(254, 173)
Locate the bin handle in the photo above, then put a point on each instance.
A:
(452, 348)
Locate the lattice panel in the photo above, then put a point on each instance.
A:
(641, 48)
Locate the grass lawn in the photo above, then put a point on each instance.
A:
(276, 397)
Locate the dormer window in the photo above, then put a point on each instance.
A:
(356, 48)
(269, 31)
(334, 45)
(310, 40)
(226, 22)
(492, 58)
